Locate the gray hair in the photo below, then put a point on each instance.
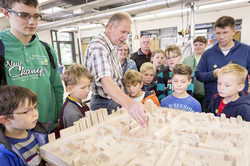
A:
(118, 17)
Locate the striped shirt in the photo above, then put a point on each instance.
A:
(28, 147)
(101, 60)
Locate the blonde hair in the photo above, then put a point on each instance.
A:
(158, 51)
(147, 66)
(172, 48)
(132, 77)
(239, 72)
(74, 73)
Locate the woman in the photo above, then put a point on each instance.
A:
(126, 63)
(200, 44)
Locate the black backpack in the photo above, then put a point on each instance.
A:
(3, 80)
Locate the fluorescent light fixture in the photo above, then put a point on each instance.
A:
(221, 4)
(70, 29)
(41, 1)
(51, 10)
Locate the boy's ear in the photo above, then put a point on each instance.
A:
(5, 12)
(241, 87)
(68, 88)
(141, 84)
(4, 120)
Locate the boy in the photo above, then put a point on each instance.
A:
(21, 134)
(180, 99)
(77, 82)
(164, 85)
(27, 63)
(133, 83)
(231, 100)
(148, 73)
(157, 59)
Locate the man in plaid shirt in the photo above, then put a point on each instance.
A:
(102, 62)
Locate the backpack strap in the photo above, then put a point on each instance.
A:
(2, 60)
(51, 59)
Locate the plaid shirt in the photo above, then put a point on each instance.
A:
(101, 60)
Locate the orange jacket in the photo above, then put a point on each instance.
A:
(152, 96)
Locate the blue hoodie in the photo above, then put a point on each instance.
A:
(214, 58)
(10, 156)
(241, 106)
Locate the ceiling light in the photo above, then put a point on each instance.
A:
(51, 10)
(41, 1)
(221, 4)
(70, 29)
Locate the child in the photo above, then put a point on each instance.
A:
(180, 99)
(157, 58)
(133, 83)
(148, 73)
(21, 133)
(164, 85)
(231, 100)
(77, 82)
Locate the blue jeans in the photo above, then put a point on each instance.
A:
(109, 104)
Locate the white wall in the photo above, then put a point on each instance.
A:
(206, 17)
(45, 36)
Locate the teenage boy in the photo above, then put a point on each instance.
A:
(133, 83)
(231, 100)
(180, 99)
(21, 134)
(164, 79)
(27, 62)
(148, 73)
(77, 81)
(226, 50)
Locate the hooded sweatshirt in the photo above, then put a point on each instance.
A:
(241, 106)
(29, 66)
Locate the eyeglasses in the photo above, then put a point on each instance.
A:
(28, 112)
(26, 16)
(122, 49)
(172, 57)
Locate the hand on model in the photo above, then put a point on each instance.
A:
(138, 112)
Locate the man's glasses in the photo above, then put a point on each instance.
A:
(29, 112)
(26, 16)
(172, 57)
(122, 49)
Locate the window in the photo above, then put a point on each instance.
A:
(63, 43)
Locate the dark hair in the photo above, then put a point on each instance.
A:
(225, 21)
(7, 4)
(182, 69)
(12, 96)
(201, 39)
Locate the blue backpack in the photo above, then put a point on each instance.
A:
(3, 80)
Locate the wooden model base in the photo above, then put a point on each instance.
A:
(172, 138)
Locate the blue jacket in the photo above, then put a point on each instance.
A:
(241, 106)
(214, 58)
(9, 155)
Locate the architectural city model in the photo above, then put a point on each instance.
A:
(172, 138)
